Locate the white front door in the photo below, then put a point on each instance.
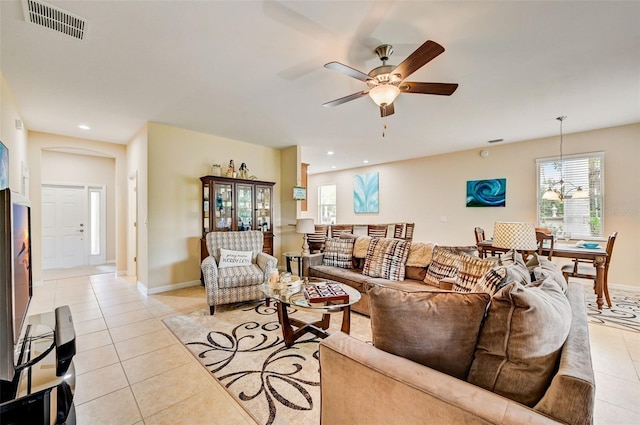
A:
(63, 227)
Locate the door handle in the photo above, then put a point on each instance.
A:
(81, 230)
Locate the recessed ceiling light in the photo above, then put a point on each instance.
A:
(366, 161)
(84, 127)
(333, 166)
(330, 153)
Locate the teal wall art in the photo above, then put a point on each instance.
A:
(366, 193)
(487, 193)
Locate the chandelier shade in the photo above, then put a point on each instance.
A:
(384, 94)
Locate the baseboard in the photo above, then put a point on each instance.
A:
(151, 291)
(121, 273)
(624, 287)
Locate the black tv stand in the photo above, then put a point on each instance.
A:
(42, 389)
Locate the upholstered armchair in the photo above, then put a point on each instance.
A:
(227, 285)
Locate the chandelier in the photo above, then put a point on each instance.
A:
(556, 192)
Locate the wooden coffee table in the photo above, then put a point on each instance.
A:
(296, 299)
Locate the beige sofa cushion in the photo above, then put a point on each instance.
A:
(433, 328)
(420, 254)
(521, 339)
(386, 258)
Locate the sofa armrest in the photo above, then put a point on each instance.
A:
(384, 388)
(309, 260)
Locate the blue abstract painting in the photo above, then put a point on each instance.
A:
(487, 193)
(4, 166)
(366, 193)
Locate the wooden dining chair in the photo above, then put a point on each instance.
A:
(408, 231)
(398, 228)
(338, 229)
(316, 240)
(478, 232)
(541, 236)
(587, 270)
(377, 230)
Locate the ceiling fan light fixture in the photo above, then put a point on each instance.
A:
(384, 94)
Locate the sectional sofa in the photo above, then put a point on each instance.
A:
(506, 344)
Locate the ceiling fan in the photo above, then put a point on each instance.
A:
(386, 82)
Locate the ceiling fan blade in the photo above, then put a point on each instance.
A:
(443, 89)
(387, 110)
(345, 99)
(423, 54)
(347, 70)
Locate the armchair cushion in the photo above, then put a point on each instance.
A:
(231, 277)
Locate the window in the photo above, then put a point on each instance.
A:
(327, 204)
(581, 218)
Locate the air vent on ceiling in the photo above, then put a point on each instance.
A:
(39, 13)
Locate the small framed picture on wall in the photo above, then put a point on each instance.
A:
(299, 193)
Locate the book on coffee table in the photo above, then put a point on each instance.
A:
(324, 292)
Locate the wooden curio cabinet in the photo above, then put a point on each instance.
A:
(236, 205)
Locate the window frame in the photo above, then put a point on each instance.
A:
(594, 185)
(322, 205)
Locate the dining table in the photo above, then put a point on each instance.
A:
(597, 255)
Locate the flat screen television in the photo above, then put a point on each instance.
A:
(15, 276)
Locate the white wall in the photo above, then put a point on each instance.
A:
(431, 191)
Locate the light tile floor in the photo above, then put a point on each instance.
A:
(132, 370)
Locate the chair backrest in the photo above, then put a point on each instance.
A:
(397, 230)
(377, 230)
(479, 234)
(542, 236)
(544, 230)
(338, 229)
(408, 231)
(251, 240)
(317, 239)
(610, 242)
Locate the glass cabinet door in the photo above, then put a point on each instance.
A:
(223, 206)
(206, 227)
(244, 206)
(263, 208)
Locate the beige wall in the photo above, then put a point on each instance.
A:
(85, 170)
(177, 158)
(40, 142)
(14, 139)
(430, 191)
(290, 176)
(137, 168)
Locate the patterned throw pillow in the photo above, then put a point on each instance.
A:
(338, 252)
(472, 269)
(500, 276)
(443, 264)
(386, 258)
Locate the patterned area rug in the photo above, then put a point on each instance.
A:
(623, 314)
(242, 346)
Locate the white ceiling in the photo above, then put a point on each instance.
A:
(253, 71)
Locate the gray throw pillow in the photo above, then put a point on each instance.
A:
(435, 328)
(520, 341)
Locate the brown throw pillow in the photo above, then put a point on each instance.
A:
(386, 258)
(434, 328)
(520, 341)
(415, 273)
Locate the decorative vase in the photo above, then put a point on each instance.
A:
(216, 170)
